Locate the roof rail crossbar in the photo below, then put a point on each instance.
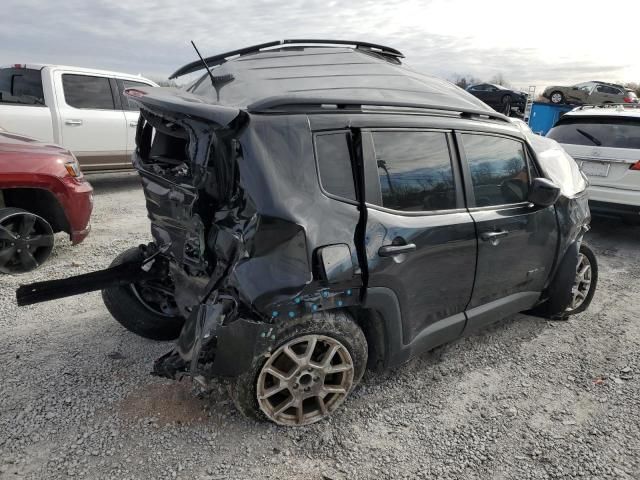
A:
(222, 57)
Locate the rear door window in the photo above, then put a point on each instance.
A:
(21, 86)
(618, 132)
(334, 164)
(414, 170)
(499, 170)
(87, 91)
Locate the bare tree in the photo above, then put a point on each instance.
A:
(464, 81)
(499, 79)
(633, 86)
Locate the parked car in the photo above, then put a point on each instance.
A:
(590, 93)
(336, 222)
(500, 98)
(79, 108)
(605, 141)
(42, 191)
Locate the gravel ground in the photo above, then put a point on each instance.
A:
(525, 399)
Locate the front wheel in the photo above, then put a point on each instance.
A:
(318, 362)
(584, 286)
(556, 97)
(506, 105)
(26, 240)
(146, 308)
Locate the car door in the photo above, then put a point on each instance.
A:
(579, 95)
(494, 96)
(420, 240)
(92, 121)
(481, 92)
(517, 241)
(131, 111)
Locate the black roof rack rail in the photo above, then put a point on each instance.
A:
(606, 105)
(222, 57)
(271, 104)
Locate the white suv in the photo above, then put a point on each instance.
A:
(605, 141)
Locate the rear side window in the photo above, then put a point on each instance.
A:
(499, 172)
(127, 102)
(86, 91)
(21, 86)
(617, 132)
(334, 164)
(414, 169)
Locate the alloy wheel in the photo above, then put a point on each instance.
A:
(556, 97)
(582, 283)
(305, 380)
(506, 106)
(26, 241)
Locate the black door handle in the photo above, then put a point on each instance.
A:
(492, 236)
(391, 250)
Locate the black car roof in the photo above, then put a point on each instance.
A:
(284, 74)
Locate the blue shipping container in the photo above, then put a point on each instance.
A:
(545, 115)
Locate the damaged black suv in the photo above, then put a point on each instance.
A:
(318, 208)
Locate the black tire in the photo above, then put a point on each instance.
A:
(338, 325)
(590, 256)
(26, 240)
(126, 305)
(556, 308)
(506, 105)
(559, 99)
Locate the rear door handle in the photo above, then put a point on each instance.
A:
(493, 237)
(391, 250)
(73, 122)
(133, 124)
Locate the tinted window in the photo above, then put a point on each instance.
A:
(598, 132)
(21, 86)
(498, 169)
(607, 89)
(127, 102)
(85, 91)
(334, 163)
(414, 169)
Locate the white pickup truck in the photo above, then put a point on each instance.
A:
(82, 109)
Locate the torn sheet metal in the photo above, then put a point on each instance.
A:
(237, 223)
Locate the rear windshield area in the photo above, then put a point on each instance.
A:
(618, 132)
(21, 86)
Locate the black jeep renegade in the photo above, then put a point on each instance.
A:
(318, 208)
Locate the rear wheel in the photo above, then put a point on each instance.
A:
(308, 376)
(146, 308)
(26, 240)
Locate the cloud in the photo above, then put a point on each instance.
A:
(441, 38)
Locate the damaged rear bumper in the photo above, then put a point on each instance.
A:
(208, 347)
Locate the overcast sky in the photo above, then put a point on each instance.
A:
(531, 43)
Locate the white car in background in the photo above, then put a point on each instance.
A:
(81, 109)
(605, 141)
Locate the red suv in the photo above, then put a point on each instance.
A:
(42, 191)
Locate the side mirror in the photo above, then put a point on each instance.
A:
(543, 192)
